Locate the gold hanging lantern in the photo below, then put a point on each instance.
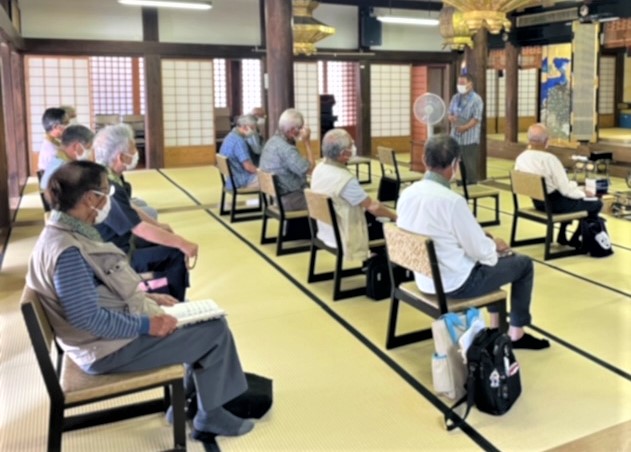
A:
(307, 30)
(489, 14)
(453, 29)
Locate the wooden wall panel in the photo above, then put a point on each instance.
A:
(399, 144)
(181, 156)
(606, 121)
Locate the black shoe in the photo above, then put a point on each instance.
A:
(529, 342)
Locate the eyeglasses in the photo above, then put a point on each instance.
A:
(110, 192)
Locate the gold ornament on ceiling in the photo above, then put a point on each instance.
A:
(453, 29)
(307, 30)
(489, 14)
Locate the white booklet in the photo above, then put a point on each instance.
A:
(194, 311)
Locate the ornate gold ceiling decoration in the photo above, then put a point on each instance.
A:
(489, 14)
(307, 30)
(454, 29)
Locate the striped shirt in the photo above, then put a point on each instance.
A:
(76, 287)
(465, 107)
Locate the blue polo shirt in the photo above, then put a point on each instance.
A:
(235, 148)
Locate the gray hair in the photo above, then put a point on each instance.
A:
(440, 151)
(290, 119)
(246, 120)
(75, 133)
(112, 141)
(334, 142)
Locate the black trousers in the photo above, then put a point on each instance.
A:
(163, 262)
(562, 204)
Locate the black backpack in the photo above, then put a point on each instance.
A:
(378, 285)
(493, 382)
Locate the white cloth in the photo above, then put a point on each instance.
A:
(550, 167)
(431, 209)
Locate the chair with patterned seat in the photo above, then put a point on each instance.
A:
(416, 253)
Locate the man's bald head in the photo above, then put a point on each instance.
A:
(538, 135)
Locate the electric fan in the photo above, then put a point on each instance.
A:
(429, 109)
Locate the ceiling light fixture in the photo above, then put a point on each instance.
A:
(168, 4)
(408, 20)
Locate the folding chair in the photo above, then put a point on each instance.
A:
(236, 215)
(534, 187)
(273, 208)
(68, 386)
(416, 253)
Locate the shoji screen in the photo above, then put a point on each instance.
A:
(306, 97)
(390, 102)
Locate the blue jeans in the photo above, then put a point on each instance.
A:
(483, 279)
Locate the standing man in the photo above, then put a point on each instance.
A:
(282, 158)
(235, 149)
(472, 263)
(465, 115)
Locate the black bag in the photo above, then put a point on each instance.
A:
(596, 241)
(388, 190)
(493, 382)
(252, 404)
(378, 285)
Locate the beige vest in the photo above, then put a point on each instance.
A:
(330, 178)
(118, 292)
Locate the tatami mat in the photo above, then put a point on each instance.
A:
(336, 388)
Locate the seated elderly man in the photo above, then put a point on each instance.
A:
(257, 140)
(281, 157)
(105, 325)
(76, 144)
(235, 149)
(469, 259)
(152, 246)
(351, 203)
(565, 196)
(54, 121)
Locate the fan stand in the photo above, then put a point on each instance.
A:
(430, 131)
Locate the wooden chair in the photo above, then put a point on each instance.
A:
(236, 215)
(273, 208)
(390, 169)
(474, 192)
(321, 208)
(356, 162)
(68, 386)
(416, 253)
(534, 187)
(45, 204)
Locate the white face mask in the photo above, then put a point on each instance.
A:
(134, 161)
(260, 122)
(103, 212)
(87, 153)
(454, 170)
(462, 89)
(354, 151)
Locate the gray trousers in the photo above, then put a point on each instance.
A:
(208, 352)
(517, 270)
(294, 201)
(470, 155)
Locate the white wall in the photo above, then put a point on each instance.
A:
(80, 19)
(228, 22)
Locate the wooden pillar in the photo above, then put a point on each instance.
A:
(363, 140)
(19, 118)
(154, 124)
(280, 65)
(512, 93)
(235, 95)
(8, 174)
(476, 66)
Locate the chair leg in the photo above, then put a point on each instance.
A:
(179, 415)
(513, 232)
(392, 323)
(233, 209)
(311, 277)
(264, 238)
(222, 208)
(549, 237)
(55, 427)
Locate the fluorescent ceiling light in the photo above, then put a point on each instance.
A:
(408, 20)
(167, 4)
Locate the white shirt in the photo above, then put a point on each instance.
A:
(429, 208)
(550, 167)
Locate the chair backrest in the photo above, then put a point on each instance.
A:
(266, 183)
(407, 249)
(224, 169)
(528, 184)
(42, 338)
(319, 206)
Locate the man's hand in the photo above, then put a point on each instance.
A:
(162, 325)
(461, 129)
(452, 118)
(305, 134)
(163, 299)
(189, 249)
(500, 245)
